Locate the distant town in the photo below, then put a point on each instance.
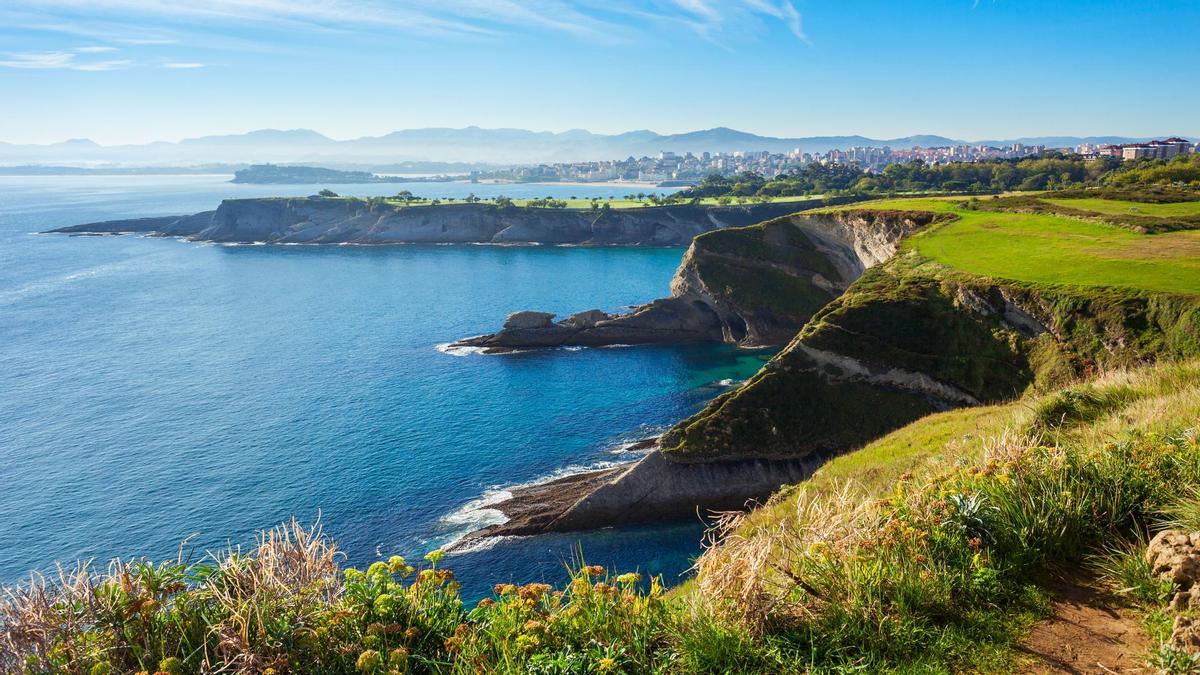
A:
(672, 169)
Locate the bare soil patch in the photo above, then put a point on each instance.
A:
(1088, 632)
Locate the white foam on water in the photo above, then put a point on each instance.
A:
(481, 544)
(452, 350)
(478, 513)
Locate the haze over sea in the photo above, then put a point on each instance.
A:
(154, 389)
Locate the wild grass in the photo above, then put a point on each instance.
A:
(932, 557)
(933, 570)
(288, 607)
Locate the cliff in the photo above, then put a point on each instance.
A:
(910, 336)
(908, 339)
(316, 220)
(751, 286)
(913, 337)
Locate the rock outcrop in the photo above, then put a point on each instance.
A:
(751, 286)
(1174, 557)
(316, 220)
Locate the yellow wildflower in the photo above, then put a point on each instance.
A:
(369, 661)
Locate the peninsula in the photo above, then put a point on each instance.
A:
(341, 220)
(275, 174)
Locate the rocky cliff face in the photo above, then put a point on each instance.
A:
(907, 338)
(751, 286)
(337, 221)
(911, 337)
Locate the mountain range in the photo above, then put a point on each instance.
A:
(470, 144)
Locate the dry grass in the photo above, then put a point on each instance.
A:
(293, 570)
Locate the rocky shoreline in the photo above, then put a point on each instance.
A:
(318, 220)
(650, 489)
(533, 508)
(751, 286)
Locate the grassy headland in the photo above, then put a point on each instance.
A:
(1047, 248)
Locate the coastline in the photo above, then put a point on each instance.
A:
(532, 508)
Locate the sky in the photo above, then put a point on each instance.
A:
(134, 71)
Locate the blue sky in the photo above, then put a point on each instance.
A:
(122, 71)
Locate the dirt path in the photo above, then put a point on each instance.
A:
(1088, 632)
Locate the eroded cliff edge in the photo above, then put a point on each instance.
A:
(316, 220)
(908, 338)
(751, 286)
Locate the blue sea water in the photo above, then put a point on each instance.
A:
(154, 389)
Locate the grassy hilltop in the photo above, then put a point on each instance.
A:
(931, 544)
(1047, 248)
(998, 299)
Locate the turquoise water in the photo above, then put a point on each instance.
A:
(154, 389)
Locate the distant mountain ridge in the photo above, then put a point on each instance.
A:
(469, 144)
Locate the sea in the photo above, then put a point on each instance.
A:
(160, 397)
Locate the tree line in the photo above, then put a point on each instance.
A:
(1049, 171)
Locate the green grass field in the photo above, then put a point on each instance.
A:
(1121, 208)
(1044, 248)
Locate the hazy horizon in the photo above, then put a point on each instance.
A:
(559, 132)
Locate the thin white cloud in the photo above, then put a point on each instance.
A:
(784, 11)
(59, 61)
(95, 50)
(601, 21)
(183, 66)
(37, 60)
(700, 8)
(147, 41)
(116, 64)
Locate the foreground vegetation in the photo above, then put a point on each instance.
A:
(920, 552)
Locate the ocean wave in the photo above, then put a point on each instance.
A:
(452, 350)
(473, 516)
(479, 512)
(480, 544)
